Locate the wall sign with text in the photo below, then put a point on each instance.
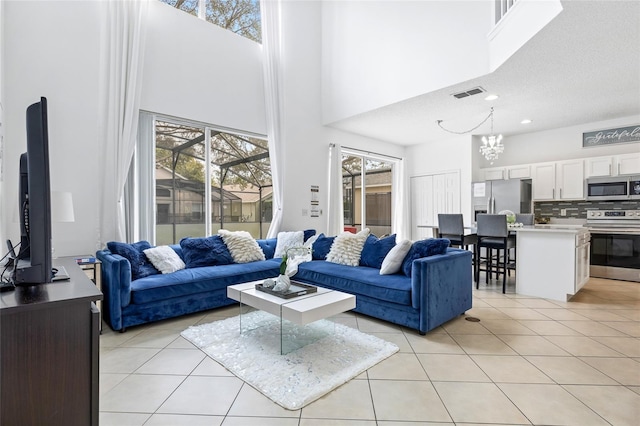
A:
(611, 136)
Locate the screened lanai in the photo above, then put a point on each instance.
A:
(237, 168)
(367, 192)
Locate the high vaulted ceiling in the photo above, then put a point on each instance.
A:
(583, 67)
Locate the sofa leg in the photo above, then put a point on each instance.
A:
(422, 333)
(123, 329)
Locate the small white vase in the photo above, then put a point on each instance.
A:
(283, 282)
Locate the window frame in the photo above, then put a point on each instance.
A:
(364, 156)
(209, 171)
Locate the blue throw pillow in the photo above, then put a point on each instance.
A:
(205, 251)
(134, 253)
(375, 250)
(321, 247)
(178, 250)
(424, 248)
(308, 233)
(268, 247)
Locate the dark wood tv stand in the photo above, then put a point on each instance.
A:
(49, 352)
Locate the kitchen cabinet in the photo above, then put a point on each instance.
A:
(583, 256)
(570, 180)
(493, 173)
(562, 180)
(599, 166)
(552, 261)
(511, 172)
(628, 164)
(543, 181)
(623, 164)
(519, 172)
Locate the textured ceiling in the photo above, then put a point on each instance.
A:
(584, 66)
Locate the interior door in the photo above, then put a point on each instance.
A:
(421, 206)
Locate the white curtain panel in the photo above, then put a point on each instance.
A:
(400, 211)
(130, 203)
(270, 12)
(123, 33)
(335, 217)
(145, 164)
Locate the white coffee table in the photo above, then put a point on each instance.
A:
(301, 310)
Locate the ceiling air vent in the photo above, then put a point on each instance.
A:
(469, 92)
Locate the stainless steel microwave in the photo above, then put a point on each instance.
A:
(612, 188)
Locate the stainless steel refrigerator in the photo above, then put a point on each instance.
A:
(493, 196)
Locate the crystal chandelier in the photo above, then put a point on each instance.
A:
(491, 145)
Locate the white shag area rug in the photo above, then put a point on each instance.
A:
(336, 354)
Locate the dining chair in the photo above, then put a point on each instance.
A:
(524, 218)
(451, 227)
(493, 234)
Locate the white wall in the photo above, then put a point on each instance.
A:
(3, 229)
(376, 53)
(523, 21)
(446, 155)
(199, 71)
(307, 140)
(52, 49)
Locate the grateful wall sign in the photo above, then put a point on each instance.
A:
(611, 136)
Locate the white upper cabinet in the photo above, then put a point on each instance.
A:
(544, 181)
(599, 166)
(519, 172)
(511, 172)
(628, 164)
(562, 180)
(570, 180)
(493, 173)
(623, 164)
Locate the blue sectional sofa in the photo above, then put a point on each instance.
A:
(438, 290)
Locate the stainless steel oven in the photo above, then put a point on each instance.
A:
(615, 244)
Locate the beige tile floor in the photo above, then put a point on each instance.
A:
(528, 361)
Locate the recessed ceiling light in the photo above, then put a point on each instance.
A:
(491, 98)
(525, 121)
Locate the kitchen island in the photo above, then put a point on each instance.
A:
(552, 260)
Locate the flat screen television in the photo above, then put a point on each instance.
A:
(34, 265)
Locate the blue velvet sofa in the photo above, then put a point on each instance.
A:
(438, 290)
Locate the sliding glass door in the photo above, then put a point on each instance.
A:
(367, 192)
(207, 179)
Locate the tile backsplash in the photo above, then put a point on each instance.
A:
(578, 209)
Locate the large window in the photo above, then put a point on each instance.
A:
(367, 192)
(240, 16)
(207, 179)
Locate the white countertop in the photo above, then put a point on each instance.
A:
(552, 227)
(571, 229)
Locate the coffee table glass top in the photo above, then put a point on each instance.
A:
(299, 316)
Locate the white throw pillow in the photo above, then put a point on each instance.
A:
(347, 247)
(393, 260)
(286, 240)
(164, 259)
(310, 241)
(242, 246)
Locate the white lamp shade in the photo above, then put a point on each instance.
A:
(62, 207)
